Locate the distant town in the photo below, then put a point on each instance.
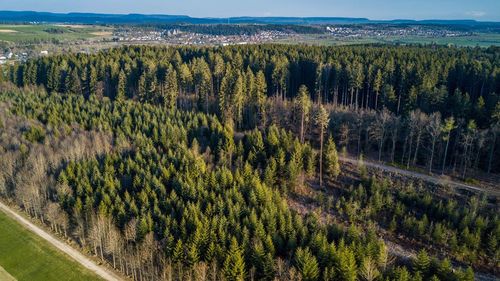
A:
(20, 42)
(177, 37)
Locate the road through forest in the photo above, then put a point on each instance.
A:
(428, 178)
(104, 273)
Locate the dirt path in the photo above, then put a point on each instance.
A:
(75, 254)
(428, 178)
(5, 276)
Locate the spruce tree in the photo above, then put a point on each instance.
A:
(170, 89)
(261, 95)
(422, 262)
(331, 159)
(347, 270)
(306, 264)
(322, 119)
(121, 86)
(178, 255)
(234, 265)
(303, 103)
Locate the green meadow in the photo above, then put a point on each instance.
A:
(46, 33)
(480, 39)
(25, 256)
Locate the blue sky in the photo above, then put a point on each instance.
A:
(373, 9)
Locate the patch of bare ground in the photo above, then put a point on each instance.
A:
(310, 198)
(474, 177)
(102, 33)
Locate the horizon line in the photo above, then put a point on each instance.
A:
(262, 17)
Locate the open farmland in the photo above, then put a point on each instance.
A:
(19, 246)
(479, 39)
(46, 33)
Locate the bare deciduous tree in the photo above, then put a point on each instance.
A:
(420, 120)
(434, 131)
(448, 126)
(394, 127)
(378, 130)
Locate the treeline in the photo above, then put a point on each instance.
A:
(242, 29)
(176, 194)
(432, 106)
(439, 145)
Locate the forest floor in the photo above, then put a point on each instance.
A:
(87, 263)
(399, 247)
(311, 199)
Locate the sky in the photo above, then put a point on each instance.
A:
(485, 10)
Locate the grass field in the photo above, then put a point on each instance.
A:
(26, 256)
(44, 32)
(481, 40)
(5, 276)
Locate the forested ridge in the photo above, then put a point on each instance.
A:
(177, 163)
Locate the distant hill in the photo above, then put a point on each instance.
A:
(89, 18)
(93, 18)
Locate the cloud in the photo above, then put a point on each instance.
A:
(476, 14)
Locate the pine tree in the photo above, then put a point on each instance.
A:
(72, 82)
(170, 89)
(262, 261)
(422, 262)
(377, 86)
(203, 82)
(224, 110)
(234, 265)
(192, 255)
(467, 275)
(121, 86)
(185, 79)
(178, 254)
(151, 87)
(322, 119)
(261, 95)
(280, 75)
(92, 81)
(331, 159)
(306, 264)
(368, 270)
(141, 87)
(444, 269)
(401, 274)
(238, 99)
(303, 103)
(347, 270)
(54, 78)
(218, 71)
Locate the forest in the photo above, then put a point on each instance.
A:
(241, 29)
(182, 163)
(435, 107)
